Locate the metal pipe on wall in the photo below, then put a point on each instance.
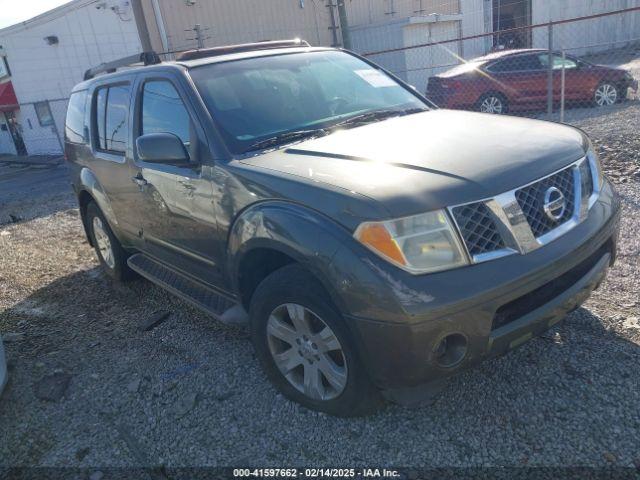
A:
(161, 27)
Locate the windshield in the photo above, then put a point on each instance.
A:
(257, 99)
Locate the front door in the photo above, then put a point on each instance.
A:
(175, 202)
(15, 131)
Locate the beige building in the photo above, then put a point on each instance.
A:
(174, 25)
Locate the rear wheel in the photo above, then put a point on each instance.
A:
(606, 94)
(305, 348)
(110, 253)
(495, 103)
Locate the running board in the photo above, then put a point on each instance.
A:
(219, 306)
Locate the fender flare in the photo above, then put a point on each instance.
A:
(305, 235)
(89, 184)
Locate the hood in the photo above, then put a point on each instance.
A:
(431, 160)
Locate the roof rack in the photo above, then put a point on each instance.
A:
(146, 58)
(244, 47)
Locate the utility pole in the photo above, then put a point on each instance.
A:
(334, 26)
(344, 25)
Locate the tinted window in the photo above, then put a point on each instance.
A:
(74, 124)
(163, 111)
(558, 62)
(101, 107)
(516, 64)
(112, 112)
(117, 115)
(252, 100)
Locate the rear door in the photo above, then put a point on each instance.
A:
(520, 78)
(110, 148)
(175, 202)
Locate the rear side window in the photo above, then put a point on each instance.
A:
(74, 124)
(163, 111)
(516, 64)
(111, 118)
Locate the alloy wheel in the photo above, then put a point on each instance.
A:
(492, 104)
(307, 352)
(103, 242)
(606, 94)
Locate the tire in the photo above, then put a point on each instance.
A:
(493, 98)
(292, 292)
(111, 255)
(606, 94)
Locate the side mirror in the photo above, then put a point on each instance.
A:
(161, 148)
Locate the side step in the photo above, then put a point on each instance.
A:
(203, 297)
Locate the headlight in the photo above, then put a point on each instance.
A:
(596, 168)
(419, 244)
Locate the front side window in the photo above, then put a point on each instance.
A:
(43, 113)
(558, 62)
(163, 111)
(111, 118)
(258, 98)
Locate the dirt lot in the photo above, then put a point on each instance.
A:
(189, 392)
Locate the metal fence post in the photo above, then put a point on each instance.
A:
(562, 85)
(550, 72)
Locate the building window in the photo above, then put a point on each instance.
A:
(44, 114)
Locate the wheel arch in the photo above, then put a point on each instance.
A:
(272, 234)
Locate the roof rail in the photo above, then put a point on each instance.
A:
(146, 58)
(244, 47)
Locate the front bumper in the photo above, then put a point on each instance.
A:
(495, 306)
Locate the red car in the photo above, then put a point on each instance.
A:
(517, 80)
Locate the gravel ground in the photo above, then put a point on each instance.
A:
(189, 392)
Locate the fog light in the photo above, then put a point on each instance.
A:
(451, 350)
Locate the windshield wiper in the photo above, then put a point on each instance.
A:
(369, 117)
(284, 138)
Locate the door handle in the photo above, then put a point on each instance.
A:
(187, 185)
(139, 180)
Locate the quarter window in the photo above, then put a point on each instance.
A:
(163, 111)
(74, 125)
(112, 112)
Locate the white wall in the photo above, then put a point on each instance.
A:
(586, 36)
(87, 37)
(382, 36)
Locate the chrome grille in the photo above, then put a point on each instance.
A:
(516, 221)
(531, 201)
(478, 228)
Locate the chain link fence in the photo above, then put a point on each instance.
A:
(548, 69)
(563, 70)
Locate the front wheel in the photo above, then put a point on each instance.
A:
(606, 94)
(494, 103)
(305, 348)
